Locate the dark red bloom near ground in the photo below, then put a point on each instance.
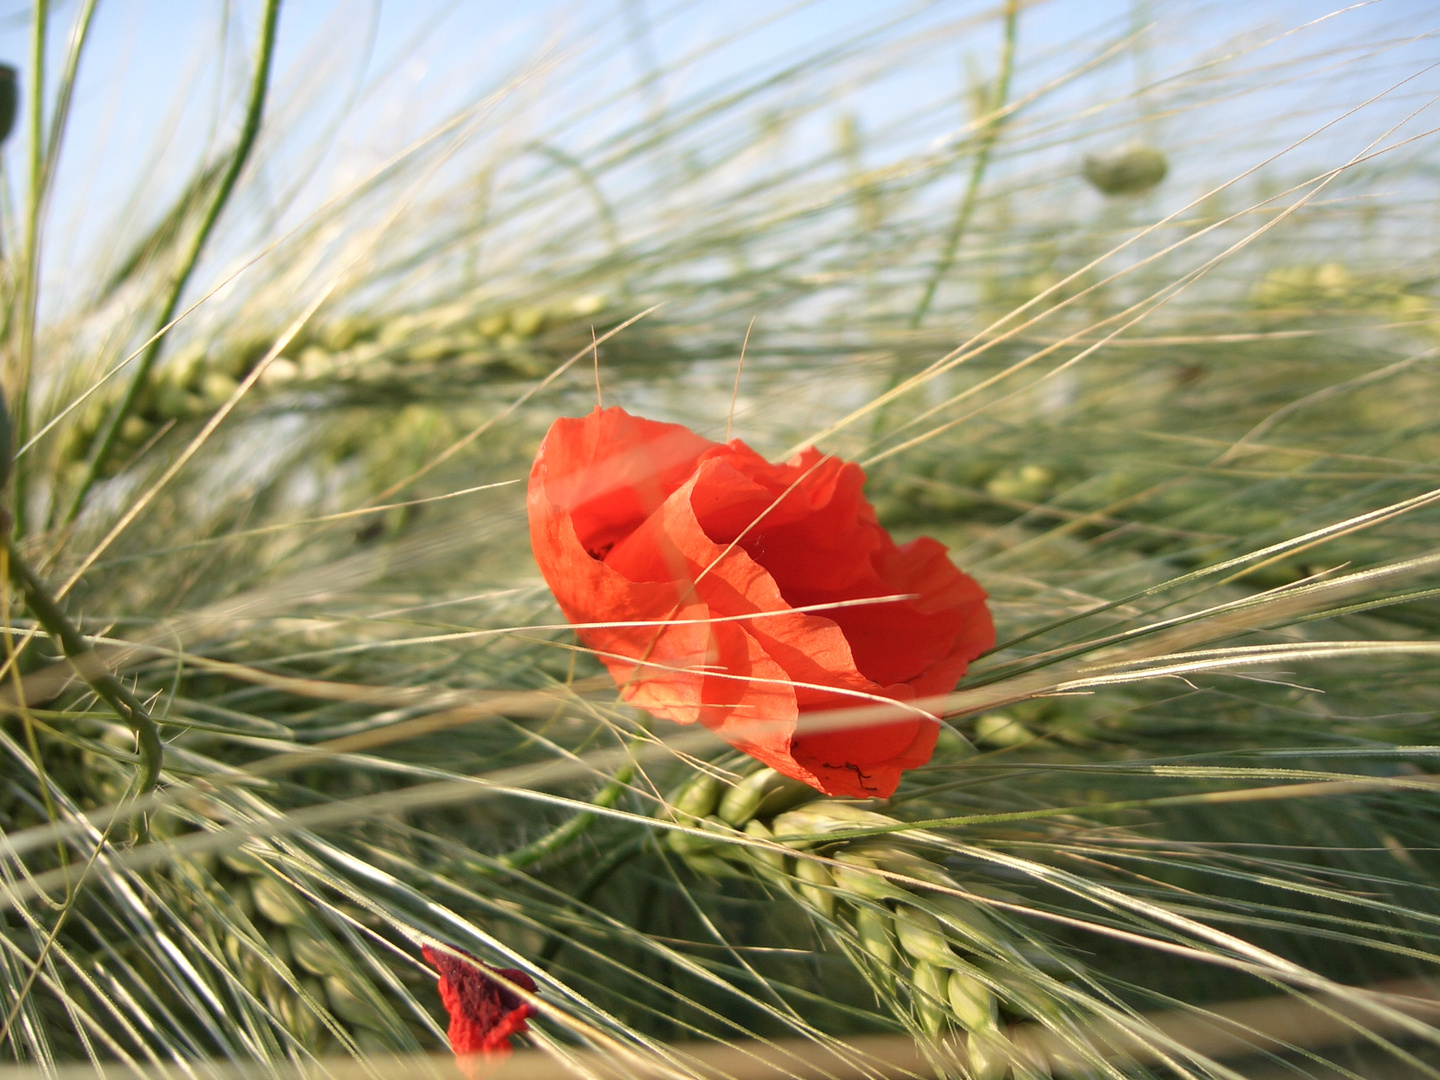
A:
(634, 521)
(483, 1014)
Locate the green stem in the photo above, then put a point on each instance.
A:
(29, 269)
(65, 95)
(561, 835)
(597, 877)
(90, 667)
(988, 138)
(254, 113)
(41, 183)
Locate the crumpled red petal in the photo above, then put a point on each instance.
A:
(638, 522)
(483, 1013)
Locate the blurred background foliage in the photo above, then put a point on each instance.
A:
(1137, 315)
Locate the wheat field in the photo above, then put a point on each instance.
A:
(1132, 306)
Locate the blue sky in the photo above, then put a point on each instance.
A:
(163, 78)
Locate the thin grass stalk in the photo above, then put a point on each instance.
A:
(989, 136)
(249, 131)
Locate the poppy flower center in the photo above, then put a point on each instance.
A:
(807, 523)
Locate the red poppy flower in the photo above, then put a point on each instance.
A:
(483, 1014)
(707, 551)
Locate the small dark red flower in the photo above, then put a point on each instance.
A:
(637, 522)
(483, 1014)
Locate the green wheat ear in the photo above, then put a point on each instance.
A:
(896, 913)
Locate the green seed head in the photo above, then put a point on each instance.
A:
(713, 866)
(967, 922)
(6, 436)
(277, 902)
(990, 1055)
(858, 876)
(873, 927)
(764, 857)
(742, 801)
(898, 860)
(527, 322)
(317, 953)
(698, 797)
(999, 730)
(921, 936)
(821, 818)
(351, 1007)
(928, 994)
(972, 1003)
(815, 885)
(761, 794)
(688, 844)
(1131, 170)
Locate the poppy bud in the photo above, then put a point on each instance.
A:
(1131, 170)
(9, 100)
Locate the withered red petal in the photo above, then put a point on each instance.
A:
(483, 1012)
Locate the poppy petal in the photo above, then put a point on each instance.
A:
(710, 548)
